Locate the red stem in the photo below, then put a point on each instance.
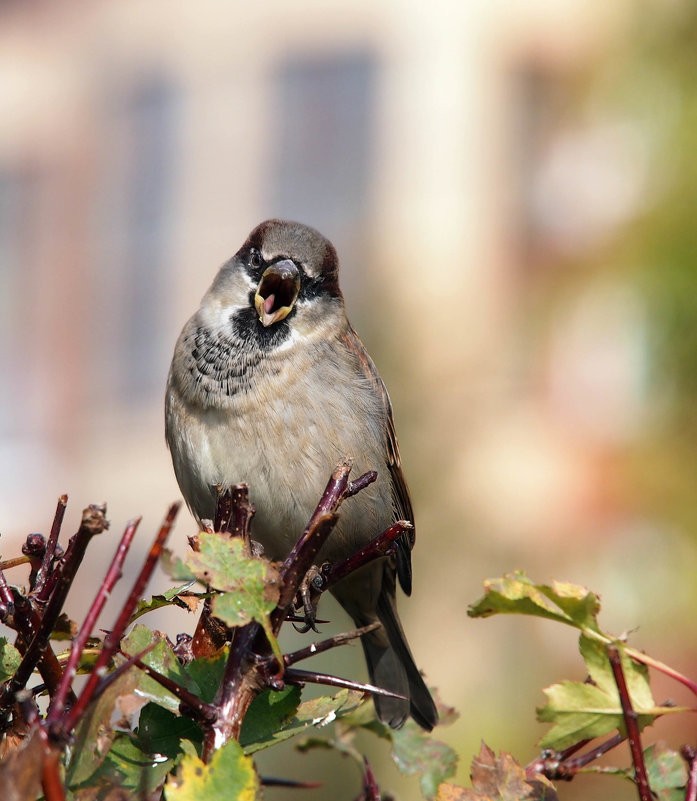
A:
(630, 721)
(113, 638)
(113, 574)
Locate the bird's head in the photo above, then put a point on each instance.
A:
(284, 276)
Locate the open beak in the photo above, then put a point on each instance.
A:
(277, 292)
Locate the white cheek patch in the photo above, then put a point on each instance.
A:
(217, 316)
(289, 342)
(216, 309)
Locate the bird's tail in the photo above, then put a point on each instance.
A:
(391, 666)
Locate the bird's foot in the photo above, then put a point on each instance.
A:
(307, 598)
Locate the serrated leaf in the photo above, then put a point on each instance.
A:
(515, 593)
(499, 778)
(128, 768)
(169, 598)
(175, 567)
(223, 564)
(163, 660)
(9, 659)
(161, 731)
(207, 673)
(583, 711)
(230, 776)
(579, 711)
(315, 712)
(414, 751)
(267, 714)
(636, 675)
(95, 733)
(666, 771)
(578, 603)
(249, 586)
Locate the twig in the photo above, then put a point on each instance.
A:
(195, 708)
(690, 756)
(223, 508)
(93, 522)
(371, 791)
(656, 664)
(630, 721)
(113, 638)
(50, 551)
(51, 782)
(33, 549)
(16, 561)
(113, 574)
(297, 676)
(318, 529)
(247, 667)
(270, 781)
(360, 483)
(560, 766)
(26, 624)
(382, 545)
(325, 645)
(6, 596)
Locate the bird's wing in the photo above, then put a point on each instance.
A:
(400, 492)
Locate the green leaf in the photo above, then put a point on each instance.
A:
(207, 673)
(667, 772)
(163, 660)
(230, 776)
(315, 712)
(636, 675)
(174, 566)
(9, 659)
(161, 731)
(267, 714)
(515, 593)
(249, 586)
(95, 733)
(129, 768)
(169, 598)
(222, 563)
(414, 751)
(582, 711)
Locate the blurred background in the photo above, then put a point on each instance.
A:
(511, 188)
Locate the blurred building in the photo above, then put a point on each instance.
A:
(141, 141)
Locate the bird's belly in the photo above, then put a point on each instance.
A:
(285, 451)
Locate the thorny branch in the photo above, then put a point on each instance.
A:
(631, 722)
(250, 666)
(93, 522)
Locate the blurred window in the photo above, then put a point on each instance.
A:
(325, 124)
(139, 162)
(16, 189)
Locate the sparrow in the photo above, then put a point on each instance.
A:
(270, 385)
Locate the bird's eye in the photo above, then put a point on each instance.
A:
(254, 258)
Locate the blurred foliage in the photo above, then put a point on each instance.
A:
(647, 79)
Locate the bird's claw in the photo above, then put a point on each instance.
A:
(309, 592)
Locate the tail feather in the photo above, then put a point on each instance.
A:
(391, 666)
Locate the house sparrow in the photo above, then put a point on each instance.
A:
(271, 385)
